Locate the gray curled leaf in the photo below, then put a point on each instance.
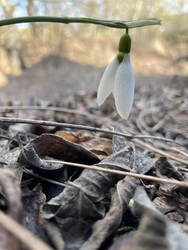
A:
(74, 204)
(29, 157)
(92, 186)
(166, 168)
(49, 146)
(125, 189)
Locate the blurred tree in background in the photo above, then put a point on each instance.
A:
(23, 45)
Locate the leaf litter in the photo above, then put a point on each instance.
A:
(66, 207)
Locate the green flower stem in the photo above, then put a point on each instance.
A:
(118, 24)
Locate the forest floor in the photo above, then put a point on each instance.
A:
(93, 210)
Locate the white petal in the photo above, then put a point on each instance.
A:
(124, 87)
(107, 82)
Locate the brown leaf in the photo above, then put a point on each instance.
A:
(53, 146)
(71, 136)
(59, 148)
(100, 146)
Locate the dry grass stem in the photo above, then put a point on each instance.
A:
(27, 238)
(118, 172)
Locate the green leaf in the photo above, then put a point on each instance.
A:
(118, 24)
(127, 229)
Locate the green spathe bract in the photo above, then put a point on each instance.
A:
(125, 44)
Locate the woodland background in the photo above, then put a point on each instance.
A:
(43, 59)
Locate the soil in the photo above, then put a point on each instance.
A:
(56, 75)
(51, 77)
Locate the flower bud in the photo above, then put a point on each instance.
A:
(125, 44)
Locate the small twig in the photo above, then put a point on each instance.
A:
(178, 151)
(43, 178)
(161, 152)
(164, 120)
(4, 137)
(10, 140)
(125, 173)
(67, 183)
(183, 169)
(31, 241)
(82, 127)
(140, 122)
(56, 109)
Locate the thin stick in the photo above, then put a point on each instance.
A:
(5, 120)
(119, 172)
(162, 152)
(56, 109)
(87, 114)
(28, 239)
(43, 178)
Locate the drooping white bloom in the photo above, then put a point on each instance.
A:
(107, 81)
(118, 79)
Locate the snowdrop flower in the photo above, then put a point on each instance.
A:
(118, 78)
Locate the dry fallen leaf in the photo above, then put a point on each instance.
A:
(55, 147)
(84, 198)
(102, 147)
(125, 188)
